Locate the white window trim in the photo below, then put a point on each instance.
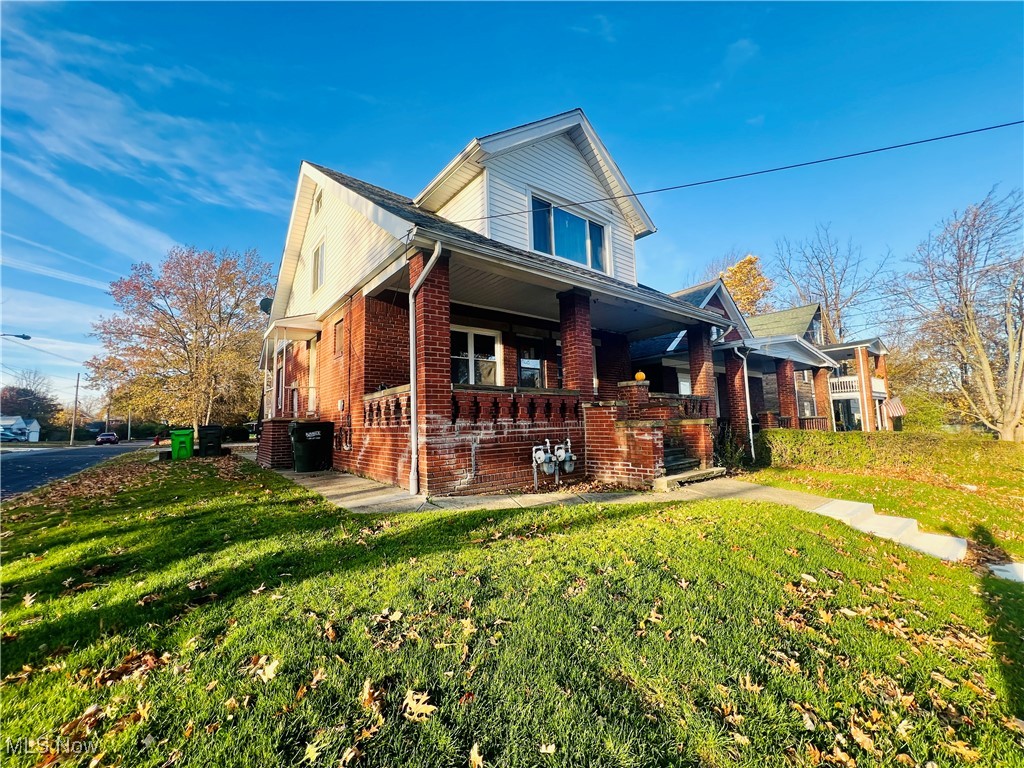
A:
(318, 267)
(499, 354)
(578, 211)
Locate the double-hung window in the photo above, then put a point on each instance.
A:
(567, 235)
(474, 357)
(319, 268)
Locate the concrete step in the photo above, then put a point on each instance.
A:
(680, 465)
(668, 482)
(847, 512)
(897, 529)
(950, 548)
(1009, 571)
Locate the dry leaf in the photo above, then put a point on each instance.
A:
(371, 698)
(28, 598)
(350, 755)
(747, 685)
(312, 753)
(475, 760)
(416, 706)
(211, 685)
(547, 749)
(863, 740)
(963, 750)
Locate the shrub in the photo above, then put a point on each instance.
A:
(880, 451)
(730, 452)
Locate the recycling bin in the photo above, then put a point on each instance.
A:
(312, 445)
(210, 438)
(181, 444)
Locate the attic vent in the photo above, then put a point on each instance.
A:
(318, 203)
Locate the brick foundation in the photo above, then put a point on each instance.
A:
(275, 448)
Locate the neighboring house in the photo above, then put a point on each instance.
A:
(785, 364)
(521, 315)
(15, 429)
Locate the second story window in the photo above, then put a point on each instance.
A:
(565, 234)
(319, 268)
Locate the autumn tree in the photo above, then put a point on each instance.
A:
(185, 344)
(748, 285)
(30, 396)
(966, 296)
(821, 270)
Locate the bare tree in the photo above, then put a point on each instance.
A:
(967, 297)
(821, 270)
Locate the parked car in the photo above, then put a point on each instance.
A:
(107, 438)
(13, 436)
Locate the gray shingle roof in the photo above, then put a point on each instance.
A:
(787, 322)
(696, 294)
(657, 347)
(405, 208)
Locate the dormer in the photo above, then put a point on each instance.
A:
(550, 187)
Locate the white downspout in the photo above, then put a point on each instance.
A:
(414, 416)
(746, 391)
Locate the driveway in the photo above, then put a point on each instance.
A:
(23, 471)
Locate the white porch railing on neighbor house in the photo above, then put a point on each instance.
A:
(850, 385)
(844, 385)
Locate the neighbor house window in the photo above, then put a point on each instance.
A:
(318, 266)
(474, 356)
(565, 234)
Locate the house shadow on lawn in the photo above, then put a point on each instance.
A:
(342, 546)
(1004, 603)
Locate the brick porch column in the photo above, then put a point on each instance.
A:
(882, 372)
(433, 354)
(702, 369)
(823, 396)
(736, 408)
(577, 343)
(867, 403)
(786, 379)
(756, 394)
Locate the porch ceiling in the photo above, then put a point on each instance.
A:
(507, 288)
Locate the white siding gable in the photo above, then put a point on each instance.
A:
(468, 207)
(555, 169)
(354, 246)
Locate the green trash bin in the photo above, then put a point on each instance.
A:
(312, 445)
(181, 444)
(210, 438)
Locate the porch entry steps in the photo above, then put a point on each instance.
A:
(1009, 571)
(672, 481)
(902, 530)
(677, 461)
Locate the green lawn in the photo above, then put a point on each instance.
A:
(208, 613)
(983, 505)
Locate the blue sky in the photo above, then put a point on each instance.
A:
(129, 127)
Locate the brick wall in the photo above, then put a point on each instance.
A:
(621, 451)
(735, 405)
(613, 365)
(822, 396)
(577, 341)
(386, 344)
(275, 448)
(695, 436)
(784, 376)
(702, 369)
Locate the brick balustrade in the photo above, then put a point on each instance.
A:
(275, 448)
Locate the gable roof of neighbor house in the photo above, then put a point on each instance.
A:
(12, 422)
(400, 215)
(701, 295)
(575, 125)
(786, 322)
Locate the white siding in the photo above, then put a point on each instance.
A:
(354, 245)
(468, 206)
(554, 166)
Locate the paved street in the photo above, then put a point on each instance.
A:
(24, 470)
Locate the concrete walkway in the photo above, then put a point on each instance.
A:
(360, 495)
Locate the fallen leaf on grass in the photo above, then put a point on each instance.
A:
(864, 741)
(747, 685)
(475, 760)
(147, 599)
(28, 598)
(964, 751)
(371, 698)
(417, 707)
(547, 749)
(942, 680)
(312, 753)
(350, 755)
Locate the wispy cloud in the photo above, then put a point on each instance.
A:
(38, 313)
(738, 54)
(10, 262)
(62, 254)
(600, 26)
(65, 107)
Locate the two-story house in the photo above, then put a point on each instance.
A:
(448, 335)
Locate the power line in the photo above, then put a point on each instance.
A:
(47, 352)
(749, 174)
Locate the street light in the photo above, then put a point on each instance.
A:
(24, 336)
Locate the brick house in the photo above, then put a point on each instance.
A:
(447, 335)
(787, 365)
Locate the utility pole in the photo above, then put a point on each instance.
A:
(129, 424)
(74, 413)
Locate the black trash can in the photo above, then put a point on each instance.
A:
(312, 445)
(210, 439)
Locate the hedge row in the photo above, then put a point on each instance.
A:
(882, 450)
